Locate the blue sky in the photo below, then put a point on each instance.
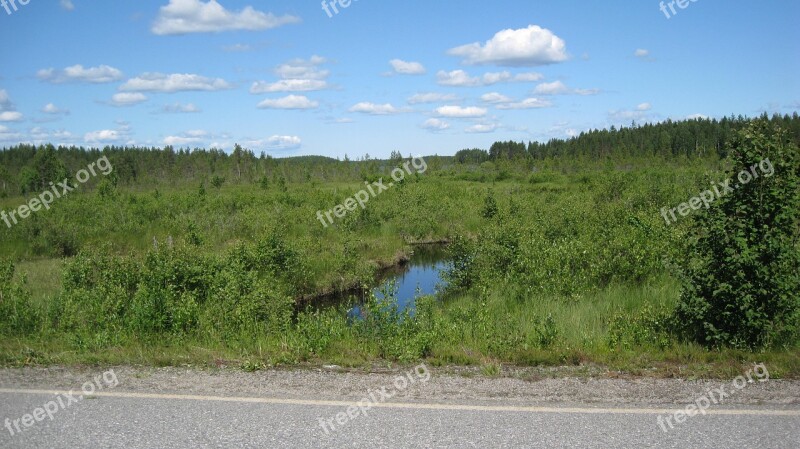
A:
(421, 77)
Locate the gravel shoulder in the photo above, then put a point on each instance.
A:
(517, 387)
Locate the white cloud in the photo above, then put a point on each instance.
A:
(79, 74)
(435, 124)
(460, 112)
(407, 68)
(196, 16)
(559, 88)
(641, 53)
(642, 112)
(338, 121)
(50, 108)
(102, 136)
(529, 77)
(179, 108)
(290, 85)
(554, 88)
(375, 109)
(302, 69)
(585, 92)
(495, 98)
(8, 112)
(528, 103)
(182, 140)
(460, 78)
(525, 47)
(432, 97)
(194, 137)
(289, 102)
(127, 99)
(297, 75)
(481, 128)
(10, 116)
(67, 5)
(696, 117)
(281, 143)
(176, 82)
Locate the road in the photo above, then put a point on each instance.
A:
(119, 418)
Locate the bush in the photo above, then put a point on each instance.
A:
(742, 284)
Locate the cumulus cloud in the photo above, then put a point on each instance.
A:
(525, 47)
(554, 88)
(495, 98)
(127, 99)
(297, 75)
(303, 69)
(196, 16)
(407, 68)
(559, 88)
(180, 108)
(642, 112)
(10, 116)
(432, 97)
(52, 109)
(67, 5)
(280, 143)
(260, 87)
(194, 137)
(176, 82)
(460, 78)
(481, 128)
(528, 103)
(79, 74)
(182, 140)
(102, 136)
(460, 112)
(435, 124)
(8, 112)
(289, 102)
(375, 109)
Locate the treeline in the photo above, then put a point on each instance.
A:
(689, 138)
(26, 168)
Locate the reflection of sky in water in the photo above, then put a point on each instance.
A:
(422, 277)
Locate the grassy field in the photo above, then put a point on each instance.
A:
(557, 263)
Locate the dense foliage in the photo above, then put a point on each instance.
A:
(743, 282)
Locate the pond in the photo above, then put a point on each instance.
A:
(421, 276)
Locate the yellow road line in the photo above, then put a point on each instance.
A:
(411, 405)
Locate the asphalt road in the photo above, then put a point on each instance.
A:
(119, 419)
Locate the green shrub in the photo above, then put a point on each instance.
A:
(741, 285)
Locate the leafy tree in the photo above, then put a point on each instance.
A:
(489, 206)
(742, 285)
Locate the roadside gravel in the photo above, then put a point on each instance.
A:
(515, 387)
